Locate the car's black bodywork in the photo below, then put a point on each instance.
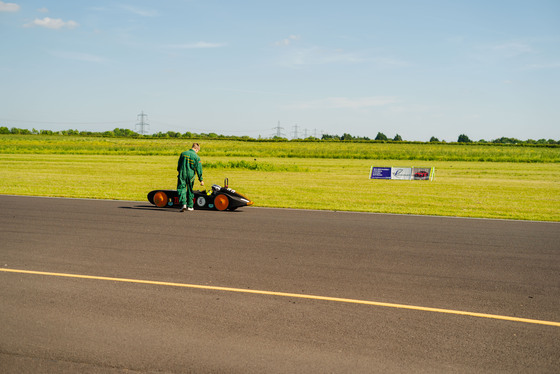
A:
(218, 198)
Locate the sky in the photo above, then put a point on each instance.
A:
(442, 68)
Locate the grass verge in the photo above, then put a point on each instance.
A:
(525, 191)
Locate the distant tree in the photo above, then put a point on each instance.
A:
(124, 132)
(4, 130)
(381, 136)
(434, 139)
(330, 137)
(173, 134)
(346, 136)
(464, 139)
(397, 138)
(504, 140)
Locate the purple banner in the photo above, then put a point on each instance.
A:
(380, 173)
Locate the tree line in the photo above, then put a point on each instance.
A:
(381, 137)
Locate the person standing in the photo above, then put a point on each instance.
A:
(188, 167)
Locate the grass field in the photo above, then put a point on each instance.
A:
(16, 144)
(526, 187)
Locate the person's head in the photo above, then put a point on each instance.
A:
(196, 147)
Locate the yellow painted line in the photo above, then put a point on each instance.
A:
(294, 295)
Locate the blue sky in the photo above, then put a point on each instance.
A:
(415, 68)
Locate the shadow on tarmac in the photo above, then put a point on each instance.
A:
(166, 210)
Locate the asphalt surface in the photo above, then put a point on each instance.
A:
(52, 323)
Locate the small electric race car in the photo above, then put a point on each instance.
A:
(218, 198)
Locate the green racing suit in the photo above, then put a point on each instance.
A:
(188, 167)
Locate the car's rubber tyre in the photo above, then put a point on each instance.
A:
(221, 202)
(160, 199)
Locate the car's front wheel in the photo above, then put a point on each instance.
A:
(221, 202)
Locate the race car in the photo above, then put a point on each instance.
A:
(218, 198)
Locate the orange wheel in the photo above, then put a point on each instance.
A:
(160, 199)
(221, 202)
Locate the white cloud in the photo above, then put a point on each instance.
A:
(196, 45)
(288, 40)
(52, 23)
(347, 103)
(8, 7)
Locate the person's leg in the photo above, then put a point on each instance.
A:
(182, 192)
(190, 195)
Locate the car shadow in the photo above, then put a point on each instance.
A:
(167, 210)
(150, 207)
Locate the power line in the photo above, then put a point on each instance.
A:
(142, 124)
(279, 129)
(296, 136)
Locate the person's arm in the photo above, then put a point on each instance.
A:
(180, 163)
(199, 171)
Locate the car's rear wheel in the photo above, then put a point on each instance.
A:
(160, 199)
(221, 202)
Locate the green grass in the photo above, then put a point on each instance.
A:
(42, 144)
(520, 190)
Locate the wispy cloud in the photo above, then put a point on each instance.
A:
(52, 23)
(502, 51)
(512, 49)
(540, 66)
(295, 57)
(8, 7)
(347, 103)
(78, 56)
(140, 11)
(197, 45)
(42, 10)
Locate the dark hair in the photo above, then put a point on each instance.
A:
(196, 146)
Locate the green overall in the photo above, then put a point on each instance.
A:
(188, 165)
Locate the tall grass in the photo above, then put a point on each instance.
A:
(252, 165)
(43, 144)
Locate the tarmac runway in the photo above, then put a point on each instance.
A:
(124, 287)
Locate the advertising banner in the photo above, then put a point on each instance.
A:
(401, 173)
(421, 173)
(380, 173)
